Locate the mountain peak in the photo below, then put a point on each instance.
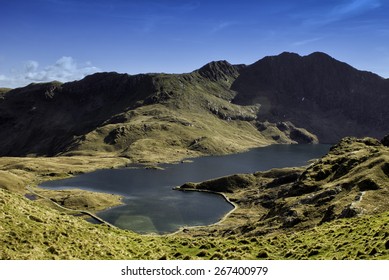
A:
(303, 88)
(320, 55)
(282, 56)
(291, 56)
(220, 70)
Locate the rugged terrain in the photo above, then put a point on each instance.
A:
(351, 180)
(146, 117)
(293, 213)
(217, 109)
(335, 208)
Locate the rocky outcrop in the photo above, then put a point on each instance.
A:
(225, 184)
(284, 132)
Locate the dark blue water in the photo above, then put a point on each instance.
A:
(151, 206)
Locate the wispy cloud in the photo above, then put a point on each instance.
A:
(343, 11)
(64, 69)
(306, 42)
(355, 7)
(223, 25)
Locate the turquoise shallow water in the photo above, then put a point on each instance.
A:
(151, 206)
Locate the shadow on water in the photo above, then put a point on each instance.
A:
(151, 206)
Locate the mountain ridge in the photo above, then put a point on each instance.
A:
(279, 99)
(335, 208)
(318, 93)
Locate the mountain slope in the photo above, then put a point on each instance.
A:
(327, 97)
(217, 109)
(352, 180)
(146, 117)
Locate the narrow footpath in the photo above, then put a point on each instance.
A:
(75, 211)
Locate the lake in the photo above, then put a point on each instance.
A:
(152, 206)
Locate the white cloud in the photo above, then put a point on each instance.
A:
(64, 69)
(31, 66)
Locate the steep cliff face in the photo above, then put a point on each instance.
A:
(325, 96)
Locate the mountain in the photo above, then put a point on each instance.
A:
(145, 117)
(329, 98)
(217, 109)
(335, 208)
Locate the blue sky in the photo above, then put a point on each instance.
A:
(64, 40)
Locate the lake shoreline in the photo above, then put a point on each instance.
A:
(154, 182)
(18, 172)
(225, 217)
(94, 164)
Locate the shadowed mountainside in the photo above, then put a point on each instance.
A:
(327, 97)
(44, 119)
(145, 117)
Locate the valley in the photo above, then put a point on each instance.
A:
(334, 208)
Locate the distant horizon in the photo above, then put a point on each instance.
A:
(66, 40)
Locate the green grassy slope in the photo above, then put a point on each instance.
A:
(188, 116)
(32, 231)
(3, 91)
(292, 213)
